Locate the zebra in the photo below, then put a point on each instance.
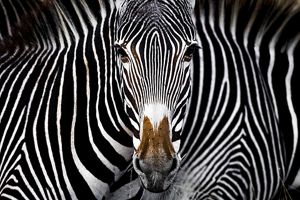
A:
(155, 41)
(70, 126)
(235, 68)
(63, 131)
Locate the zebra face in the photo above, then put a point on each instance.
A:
(155, 41)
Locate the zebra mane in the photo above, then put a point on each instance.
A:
(20, 19)
(287, 6)
(275, 3)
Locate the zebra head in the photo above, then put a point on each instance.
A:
(155, 40)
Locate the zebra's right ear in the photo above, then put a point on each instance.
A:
(119, 3)
(193, 2)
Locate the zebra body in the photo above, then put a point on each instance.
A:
(69, 129)
(61, 134)
(246, 109)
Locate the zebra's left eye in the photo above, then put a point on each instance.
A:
(189, 53)
(123, 55)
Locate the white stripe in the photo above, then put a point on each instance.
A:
(289, 95)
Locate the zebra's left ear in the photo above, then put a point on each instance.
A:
(192, 2)
(119, 3)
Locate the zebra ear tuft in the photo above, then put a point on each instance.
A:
(193, 2)
(119, 3)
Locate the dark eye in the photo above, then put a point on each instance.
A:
(189, 53)
(123, 55)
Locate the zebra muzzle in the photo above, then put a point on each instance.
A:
(155, 160)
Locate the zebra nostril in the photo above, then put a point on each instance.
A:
(136, 163)
(174, 164)
(138, 168)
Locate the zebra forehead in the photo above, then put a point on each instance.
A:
(153, 5)
(154, 11)
(170, 19)
(156, 41)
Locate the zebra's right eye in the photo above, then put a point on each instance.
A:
(123, 55)
(189, 53)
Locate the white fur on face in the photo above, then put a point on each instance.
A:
(156, 112)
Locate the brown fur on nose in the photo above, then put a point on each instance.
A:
(156, 143)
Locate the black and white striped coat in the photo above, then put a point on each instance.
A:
(64, 132)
